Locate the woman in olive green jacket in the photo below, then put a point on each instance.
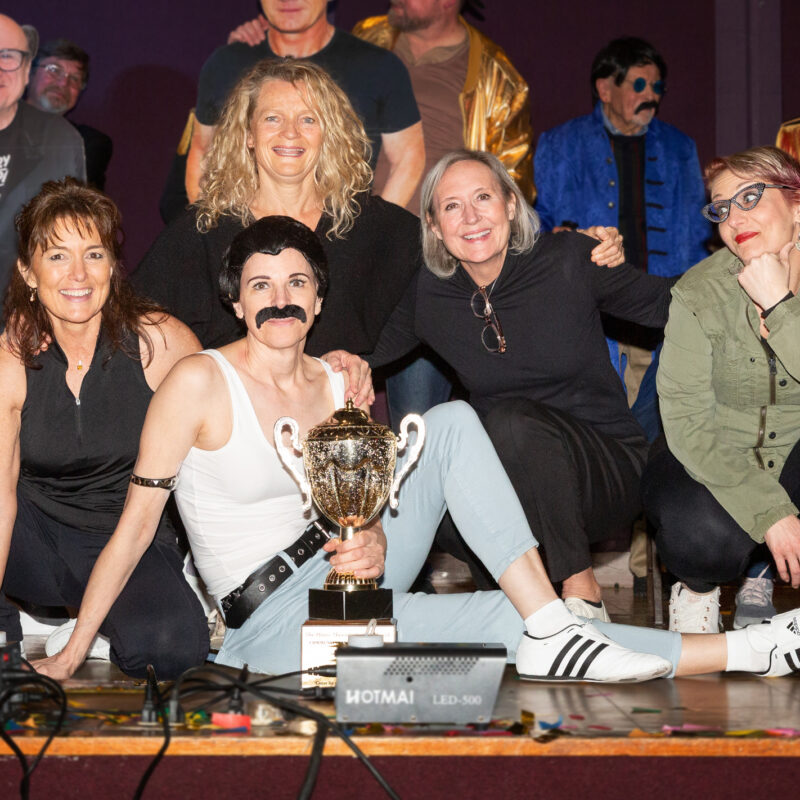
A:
(728, 489)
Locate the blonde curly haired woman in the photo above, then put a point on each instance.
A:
(290, 143)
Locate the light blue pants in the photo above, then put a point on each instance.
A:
(458, 470)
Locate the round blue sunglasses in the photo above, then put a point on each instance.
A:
(640, 84)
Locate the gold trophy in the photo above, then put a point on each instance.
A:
(349, 473)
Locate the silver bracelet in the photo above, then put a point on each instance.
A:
(155, 483)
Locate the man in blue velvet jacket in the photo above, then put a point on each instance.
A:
(620, 166)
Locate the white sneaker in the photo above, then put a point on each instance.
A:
(780, 636)
(580, 608)
(38, 626)
(754, 601)
(99, 650)
(580, 652)
(690, 612)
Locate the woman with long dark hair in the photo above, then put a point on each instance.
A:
(80, 358)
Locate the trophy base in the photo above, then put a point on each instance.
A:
(362, 605)
(321, 638)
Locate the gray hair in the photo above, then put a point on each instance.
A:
(32, 39)
(524, 226)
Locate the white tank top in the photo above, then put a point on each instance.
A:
(239, 504)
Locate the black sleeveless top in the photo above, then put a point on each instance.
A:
(77, 454)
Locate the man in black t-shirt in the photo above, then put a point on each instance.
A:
(375, 80)
(34, 146)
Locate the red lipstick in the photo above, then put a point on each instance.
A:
(743, 237)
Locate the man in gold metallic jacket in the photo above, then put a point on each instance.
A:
(494, 102)
(788, 138)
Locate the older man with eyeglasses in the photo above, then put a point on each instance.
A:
(59, 76)
(34, 146)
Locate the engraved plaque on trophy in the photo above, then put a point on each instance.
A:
(349, 473)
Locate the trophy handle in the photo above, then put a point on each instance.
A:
(285, 455)
(413, 455)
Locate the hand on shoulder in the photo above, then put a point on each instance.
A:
(359, 376)
(610, 252)
(252, 32)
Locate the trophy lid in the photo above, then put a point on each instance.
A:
(349, 423)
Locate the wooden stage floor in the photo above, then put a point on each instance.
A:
(681, 727)
(709, 715)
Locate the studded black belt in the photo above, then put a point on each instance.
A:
(245, 599)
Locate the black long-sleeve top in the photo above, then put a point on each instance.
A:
(369, 270)
(549, 302)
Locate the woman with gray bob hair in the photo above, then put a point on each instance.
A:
(524, 227)
(517, 314)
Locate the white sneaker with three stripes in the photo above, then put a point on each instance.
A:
(780, 637)
(580, 652)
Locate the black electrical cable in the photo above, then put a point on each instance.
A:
(235, 702)
(362, 756)
(302, 711)
(153, 683)
(18, 679)
(273, 678)
(294, 708)
(61, 697)
(24, 786)
(315, 762)
(165, 721)
(204, 687)
(319, 738)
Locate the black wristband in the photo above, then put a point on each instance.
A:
(767, 311)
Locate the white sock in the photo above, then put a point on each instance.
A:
(549, 619)
(749, 649)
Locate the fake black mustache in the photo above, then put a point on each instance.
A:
(647, 104)
(273, 312)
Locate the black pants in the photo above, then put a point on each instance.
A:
(698, 541)
(577, 486)
(157, 619)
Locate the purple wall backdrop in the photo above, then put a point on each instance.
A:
(790, 26)
(553, 44)
(146, 56)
